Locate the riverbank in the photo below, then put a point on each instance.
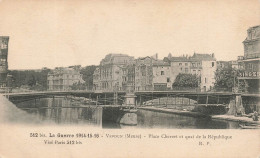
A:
(173, 111)
(242, 119)
(196, 114)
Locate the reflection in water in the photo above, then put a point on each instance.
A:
(63, 111)
(75, 113)
(150, 119)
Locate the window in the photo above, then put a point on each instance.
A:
(180, 64)
(212, 64)
(186, 70)
(162, 72)
(168, 79)
(205, 80)
(3, 46)
(3, 60)
(186, 64)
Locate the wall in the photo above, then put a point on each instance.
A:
(208, 75)
(159, 78)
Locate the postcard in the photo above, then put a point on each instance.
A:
(128, 78)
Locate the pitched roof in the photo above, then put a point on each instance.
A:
(202, 57)
(160, 63)
(195, 57)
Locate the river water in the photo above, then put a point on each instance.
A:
(48, 110)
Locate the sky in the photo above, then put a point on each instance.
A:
(53, 33)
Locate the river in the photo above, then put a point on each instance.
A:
(48, 110)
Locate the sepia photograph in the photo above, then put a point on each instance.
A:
(123, 78)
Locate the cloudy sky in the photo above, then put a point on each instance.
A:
(45, 33)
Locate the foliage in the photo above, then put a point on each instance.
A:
(78, 86)
(186, 80)
(87, 73)
(35, 80)
(226, 78)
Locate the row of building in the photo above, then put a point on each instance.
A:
(116, 72)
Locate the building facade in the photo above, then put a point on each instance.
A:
(61, 79)
(250, 62)
(112, 73)
(144, 73)
(4, 40)
(202, 65)
(161, 75)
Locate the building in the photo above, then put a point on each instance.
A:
(111, 75)
(61, 79)
(4, 40)
(144, 73)
(178, 65)
(234, 64)
(250, 62)
(130, 76)
(161, 75)
(223, 64)
(206, 71)
(203, 65)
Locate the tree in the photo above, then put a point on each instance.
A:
(87, 73)
(78, 86)
(226, 78)
(186, 80)
(36, 80)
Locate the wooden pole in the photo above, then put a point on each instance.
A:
(97, 100)
(167, 101)
(140, 99)
(116, 97)
(207, 100)
(218, 100)
(105, 99)
(152, 98)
